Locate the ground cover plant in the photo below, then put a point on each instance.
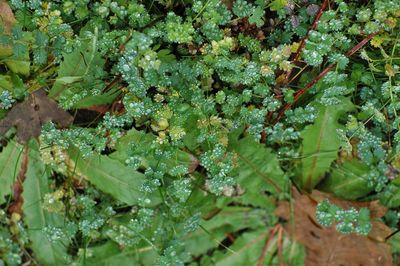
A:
(199, 132)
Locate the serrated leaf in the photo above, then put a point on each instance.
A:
(36, 185)
(10, 161)
(111, 176)
(258, 168)
(347, 181)
(41, 39)
(19, 50)
(17, 32)
(81, 62)
(40, 56)
(142, 141)
(257, 16)
(321, 143)
(390, 197)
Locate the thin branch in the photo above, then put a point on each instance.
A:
(303, 41)
(300, 93)
(267, 244)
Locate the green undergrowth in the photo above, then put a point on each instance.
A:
(180, 148)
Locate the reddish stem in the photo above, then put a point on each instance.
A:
(268, 241)
(303, 41)
(297, 55)
(300, 93)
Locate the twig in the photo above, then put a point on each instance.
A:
(303, 41)
(300, 93)
(280, 248)
(296, 58)
(266, 245)
(116, 80)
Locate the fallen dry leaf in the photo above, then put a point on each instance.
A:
(29, 116)
(327, 247)
(7, 19)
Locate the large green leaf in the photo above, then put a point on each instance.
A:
(347, 180)
(228, 220)
(10, 161)
(109, 254)
(321, 143)
(81, 63)
(111, 176)
(259, 169)
(248, 247)
(36, 185)
(245, 251)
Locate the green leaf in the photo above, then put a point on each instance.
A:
(41, 38)
(278, 4)
(36, 185)
(142, 142)
(390, 197)
(80, 63)
(19, 88)
(40, 56)
(93, 100)
(246, 250)
(165, 56)
(248, 247)
(69, 80)
(346, 181)
(257, 16)
(19, 66)
(5, 83)
(321, 143)
(10, 161)
(258, 168)
(109, 254)
(19, 50)
(229, 220)
(111, 176)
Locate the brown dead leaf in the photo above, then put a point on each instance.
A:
(325, 246)
(7, 19)
(29, 116)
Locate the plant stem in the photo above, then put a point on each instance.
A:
(303, 41)
(300, 93)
